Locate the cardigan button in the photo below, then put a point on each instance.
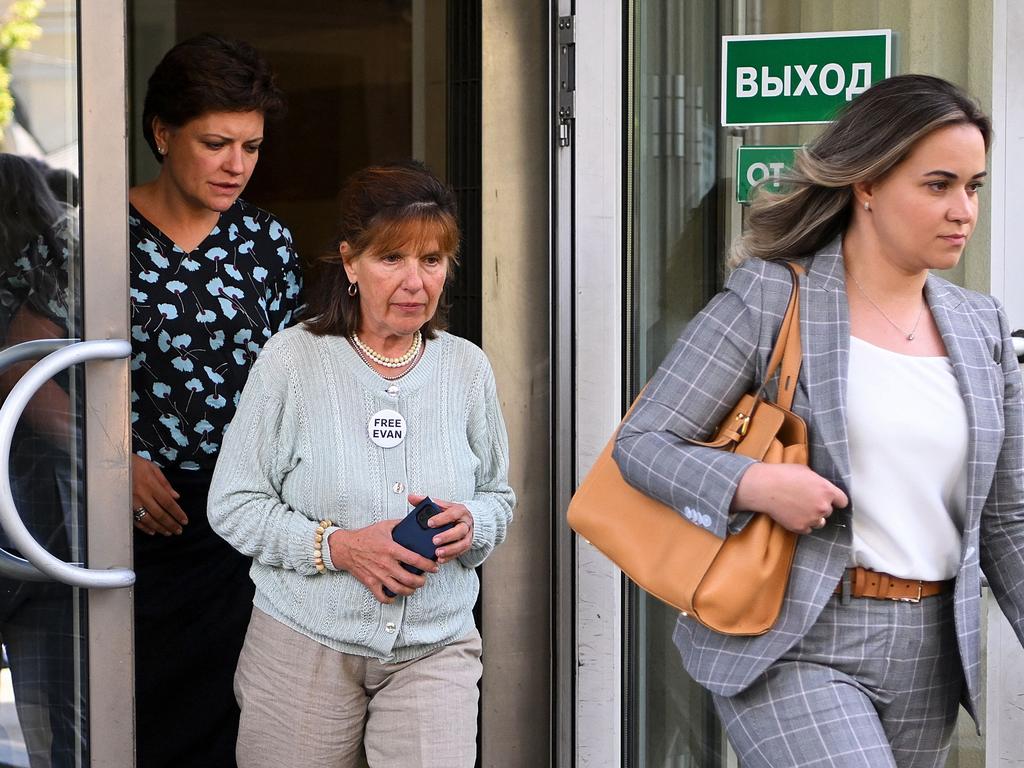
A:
(392, 390)
(390, 627)
(398, 487)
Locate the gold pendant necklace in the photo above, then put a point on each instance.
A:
(911, 334)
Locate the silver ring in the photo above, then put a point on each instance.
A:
(822, 523)
(139, 512)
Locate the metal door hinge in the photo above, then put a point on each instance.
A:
(566, 78)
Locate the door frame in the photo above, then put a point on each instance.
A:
(104, 227)
(588, 269)
(1004, 663)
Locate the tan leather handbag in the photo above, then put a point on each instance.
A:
(734, 585)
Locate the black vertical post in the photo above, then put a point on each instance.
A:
(464, 161)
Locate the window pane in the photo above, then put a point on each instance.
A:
(675, 239)
(43, 695)
(682, 215)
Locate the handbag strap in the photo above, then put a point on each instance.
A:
(787, 351)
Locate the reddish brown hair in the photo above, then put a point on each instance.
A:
(382, 208)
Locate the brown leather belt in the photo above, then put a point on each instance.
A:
(882, 586)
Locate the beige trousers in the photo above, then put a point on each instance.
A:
(304, 704)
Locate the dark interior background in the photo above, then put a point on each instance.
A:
(367, 81)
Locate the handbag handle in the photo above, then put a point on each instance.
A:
(786, 353)
(787, 349)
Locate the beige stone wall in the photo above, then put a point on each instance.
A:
(517, 578)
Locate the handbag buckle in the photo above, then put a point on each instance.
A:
(744, 421)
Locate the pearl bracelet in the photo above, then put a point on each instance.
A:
(318, 551)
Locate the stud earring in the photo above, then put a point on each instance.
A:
(867, 206)
(162, 150)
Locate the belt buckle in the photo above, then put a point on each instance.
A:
(920, 589)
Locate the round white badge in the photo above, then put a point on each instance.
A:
(386, 428)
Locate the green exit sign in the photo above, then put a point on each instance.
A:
(755, 165)
(801, 78)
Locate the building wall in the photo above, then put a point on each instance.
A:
(517, 578)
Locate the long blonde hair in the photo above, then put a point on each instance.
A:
(868, 139)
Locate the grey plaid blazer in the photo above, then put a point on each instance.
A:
(722, 354)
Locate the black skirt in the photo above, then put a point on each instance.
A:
(193, 599)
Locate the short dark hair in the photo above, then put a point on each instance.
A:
(28, 208)
(209, 73)
(382, 207)
(62, 182)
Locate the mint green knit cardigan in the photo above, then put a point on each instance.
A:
(298, 451)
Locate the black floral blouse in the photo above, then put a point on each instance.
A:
(199, 320)
(38, 279)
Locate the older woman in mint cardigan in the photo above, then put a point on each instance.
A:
(308, 488)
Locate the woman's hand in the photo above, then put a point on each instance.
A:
(151, 492)
(794, 495)
(373, 557)
(455, 541)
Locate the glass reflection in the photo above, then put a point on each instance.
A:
(42, 704)
(682, 216)
(674, 268)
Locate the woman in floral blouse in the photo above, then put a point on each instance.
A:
(212, 277)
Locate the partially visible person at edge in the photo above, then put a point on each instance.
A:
(912, 396)
(37, 625)
(212, 277)
(333, 665)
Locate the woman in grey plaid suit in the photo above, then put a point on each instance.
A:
(912, 395)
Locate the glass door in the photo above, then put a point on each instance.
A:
(65, 606)
(682, 214)
(674, 265)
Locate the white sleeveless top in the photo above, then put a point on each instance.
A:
(907, 427)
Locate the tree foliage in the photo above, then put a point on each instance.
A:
(18, 29)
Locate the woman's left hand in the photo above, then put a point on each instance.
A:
(456, 540)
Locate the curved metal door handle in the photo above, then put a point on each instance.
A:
(31, 350)
(12, 566)
(1018, 344)
(10, 413)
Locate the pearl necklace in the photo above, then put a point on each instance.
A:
(389, 362)
(397, 376)
(909, 334)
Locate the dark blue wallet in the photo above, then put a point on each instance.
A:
(414, 534)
